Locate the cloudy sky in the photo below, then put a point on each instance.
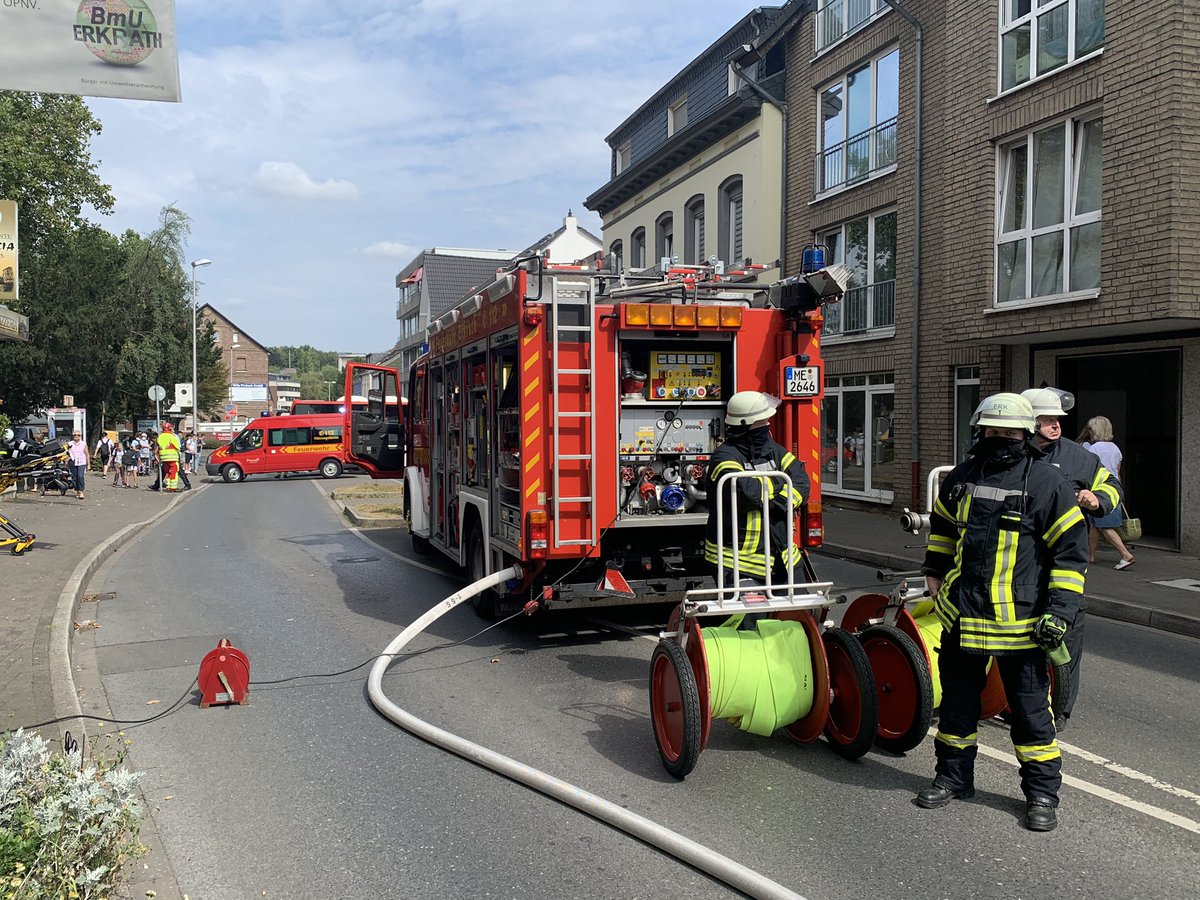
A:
(320, 145)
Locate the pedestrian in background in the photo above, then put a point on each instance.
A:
(1005, 564)
(132, 461)
(145, 450)
(104, 450)
(118, 465)
(1109, 453)
(77, 452)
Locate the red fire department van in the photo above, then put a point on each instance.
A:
(282, 444)
(564, 416)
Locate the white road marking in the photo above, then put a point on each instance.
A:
(1129, 773)
(604, 623)
(1186, 584)
(1103, 793)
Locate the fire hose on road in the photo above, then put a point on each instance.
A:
(694, 854)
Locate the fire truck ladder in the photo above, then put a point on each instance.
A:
(574, 297)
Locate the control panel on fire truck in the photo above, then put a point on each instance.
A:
(671, 422)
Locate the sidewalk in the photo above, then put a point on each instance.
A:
(1135, 595)
(49, 579)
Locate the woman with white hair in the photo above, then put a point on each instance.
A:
(1102, 445)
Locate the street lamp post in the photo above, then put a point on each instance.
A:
(233, 345)
(196, 263)
(329, 389)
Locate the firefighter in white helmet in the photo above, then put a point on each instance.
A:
(1005, 563)
(749, 446)
(1097, 491)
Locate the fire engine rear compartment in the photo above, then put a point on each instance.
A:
(552, 426)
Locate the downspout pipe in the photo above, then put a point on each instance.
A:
(915, 351)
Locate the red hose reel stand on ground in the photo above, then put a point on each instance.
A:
(224, 676)
(844, 696)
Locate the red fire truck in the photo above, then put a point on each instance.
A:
(564, 415)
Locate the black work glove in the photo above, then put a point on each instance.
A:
(1048, 633)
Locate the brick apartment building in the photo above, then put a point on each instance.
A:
(246, 362)
(1058, 196)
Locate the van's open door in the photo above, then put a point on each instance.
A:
(374, 436)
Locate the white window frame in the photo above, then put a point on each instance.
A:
(617, 250)
(1009, 24)
(1072, 163)
(637, 248)
(677, 110)
(873, 386)
(693, 217)
(874, 329)
(731, 207)
(623, 155)
(874, 167)
(664, 236)
(830, 12)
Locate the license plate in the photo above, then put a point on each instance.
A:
(801, 381)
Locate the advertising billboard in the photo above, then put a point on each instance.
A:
(9, 280)
(95, 48)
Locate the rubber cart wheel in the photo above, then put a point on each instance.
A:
(1060, 688)
(674, 709)
(853, 708)
(485, 603)
(903, 687)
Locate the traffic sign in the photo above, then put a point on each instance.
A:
(157, 392)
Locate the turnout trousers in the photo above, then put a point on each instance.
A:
(1026, 678)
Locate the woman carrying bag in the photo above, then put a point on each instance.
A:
(1102, 445)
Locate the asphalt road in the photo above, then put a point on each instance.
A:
(308, 792)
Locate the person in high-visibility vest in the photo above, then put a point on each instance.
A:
(1005, 565)
(168, 457)
(750, 447)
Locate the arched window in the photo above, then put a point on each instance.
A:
(637, 250)
(729, 221)
(693, 218)
(664, 236)
(616, 250)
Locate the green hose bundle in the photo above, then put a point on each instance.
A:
(760, 680)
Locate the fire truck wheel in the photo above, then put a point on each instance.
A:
(484, 603)
(232, 473)
(674, 709)
(330, 468)
(902, 685)
(853, 708)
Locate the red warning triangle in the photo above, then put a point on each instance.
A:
(613, 584)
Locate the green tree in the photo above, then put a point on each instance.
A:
(46, 167)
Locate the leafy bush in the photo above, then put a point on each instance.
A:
(68, 825)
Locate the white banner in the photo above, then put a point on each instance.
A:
(96, 48)
(249, 393)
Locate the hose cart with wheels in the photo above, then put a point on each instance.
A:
(772, 663)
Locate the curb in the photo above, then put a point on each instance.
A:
(62, 682)
(367, 521)
(1104, 607)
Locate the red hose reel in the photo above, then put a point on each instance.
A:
(224, 676)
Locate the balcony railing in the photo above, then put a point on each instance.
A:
(838, 18)
(863, 308)
(856, 158)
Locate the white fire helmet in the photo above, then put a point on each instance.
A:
(748, 407)
(1049, 401)
(1005, 411)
